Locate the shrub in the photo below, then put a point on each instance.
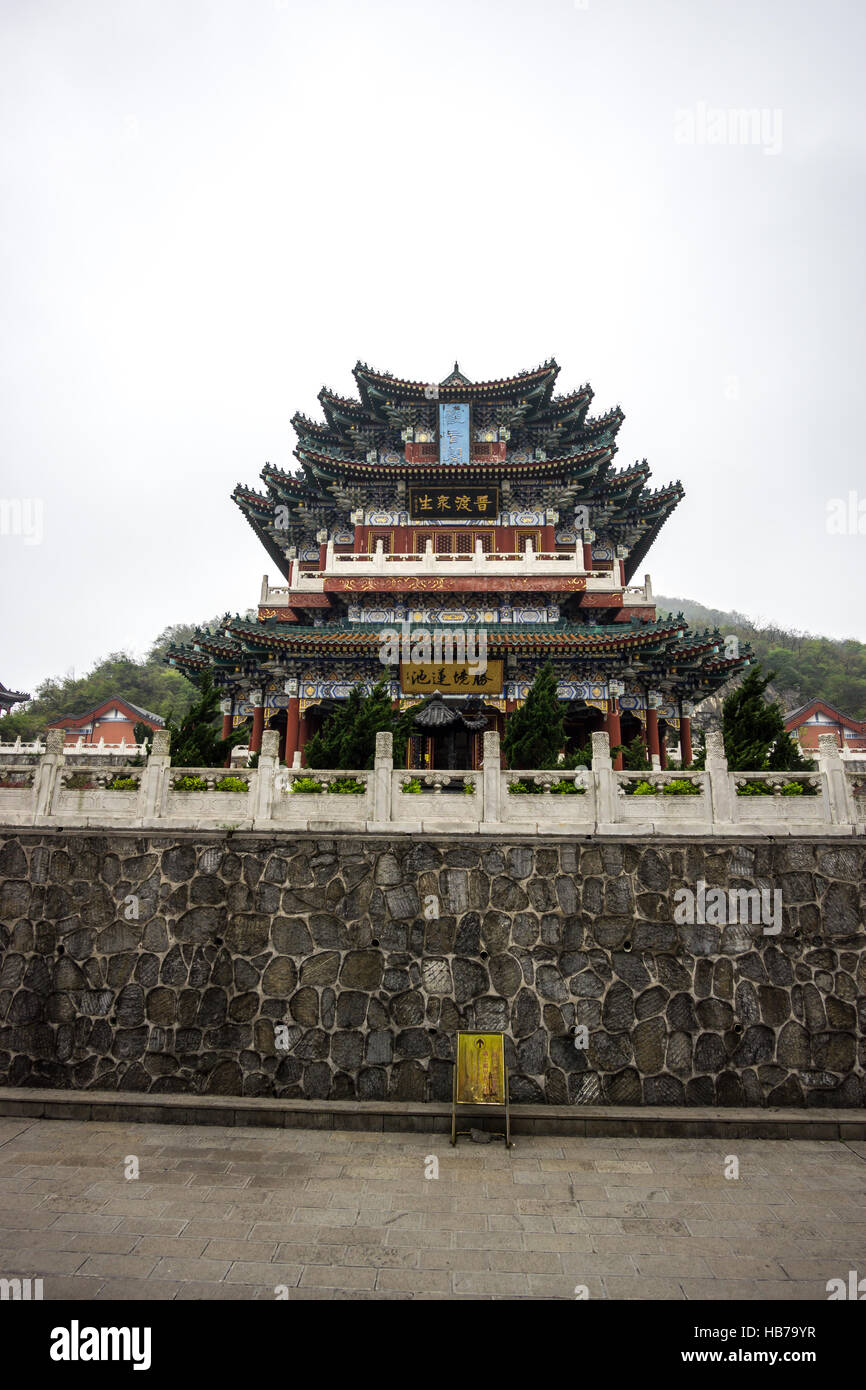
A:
(305, 784)
(678, 786)
(565, 787)
(189, 784)
(412, 786)
(346, 786)
(681, 786)
(754, 789)
(788, 789)
(232, 784)
(122, 784)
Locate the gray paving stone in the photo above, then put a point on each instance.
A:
(335, 1214)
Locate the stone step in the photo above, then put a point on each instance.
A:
(586, 1121)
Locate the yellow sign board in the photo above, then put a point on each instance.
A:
(480, 1069)
(452, 678)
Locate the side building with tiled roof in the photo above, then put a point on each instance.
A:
(817, 717)
(112, 721)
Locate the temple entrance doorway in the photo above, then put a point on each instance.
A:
(581, 721)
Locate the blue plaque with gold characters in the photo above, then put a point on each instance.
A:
(454, 433)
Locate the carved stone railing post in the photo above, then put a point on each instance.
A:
(264, 776)
(604, 778)
(491, 779)
(839, 802)
(151, 791)
(722, 792)
(383, 767)
(48, 774)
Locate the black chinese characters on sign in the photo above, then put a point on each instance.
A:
(434, 503)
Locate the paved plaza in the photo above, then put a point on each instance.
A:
(258, 1214)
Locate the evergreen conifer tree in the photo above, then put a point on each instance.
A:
(196, 741)
(754, 730)
(347, 739)
(535, 735)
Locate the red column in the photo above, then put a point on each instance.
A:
(258, 728)
(652, 733)
(663, 754)
(510, 707)
(614, 731)
(587, 556)
(686, 740)
(303, 734)
(227, 728)
(292, 729)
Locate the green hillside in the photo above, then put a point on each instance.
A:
(807, 667)
(148, 683)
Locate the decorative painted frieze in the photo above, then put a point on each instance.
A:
(341, 689)
(505, 613)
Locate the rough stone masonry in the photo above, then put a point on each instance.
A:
(303, 966)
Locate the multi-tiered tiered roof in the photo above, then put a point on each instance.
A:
(493, 505)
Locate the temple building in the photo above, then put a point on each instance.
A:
(488, 512)
(10, 698)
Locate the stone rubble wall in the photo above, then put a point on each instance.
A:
(168, 963)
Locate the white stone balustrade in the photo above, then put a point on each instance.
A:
(585, 801)
(37, 748)
(501, 565)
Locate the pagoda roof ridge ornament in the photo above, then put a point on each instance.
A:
(456, 378)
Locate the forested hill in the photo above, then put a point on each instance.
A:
(807, 667)
(148, 683)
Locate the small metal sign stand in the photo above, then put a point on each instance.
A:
(480, 1078)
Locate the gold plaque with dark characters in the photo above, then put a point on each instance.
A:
(449, 503)
(452, 678)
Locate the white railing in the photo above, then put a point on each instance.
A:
(586, 801)
(429, 562)
(121, 749)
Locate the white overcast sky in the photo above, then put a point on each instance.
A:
(211, 209)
